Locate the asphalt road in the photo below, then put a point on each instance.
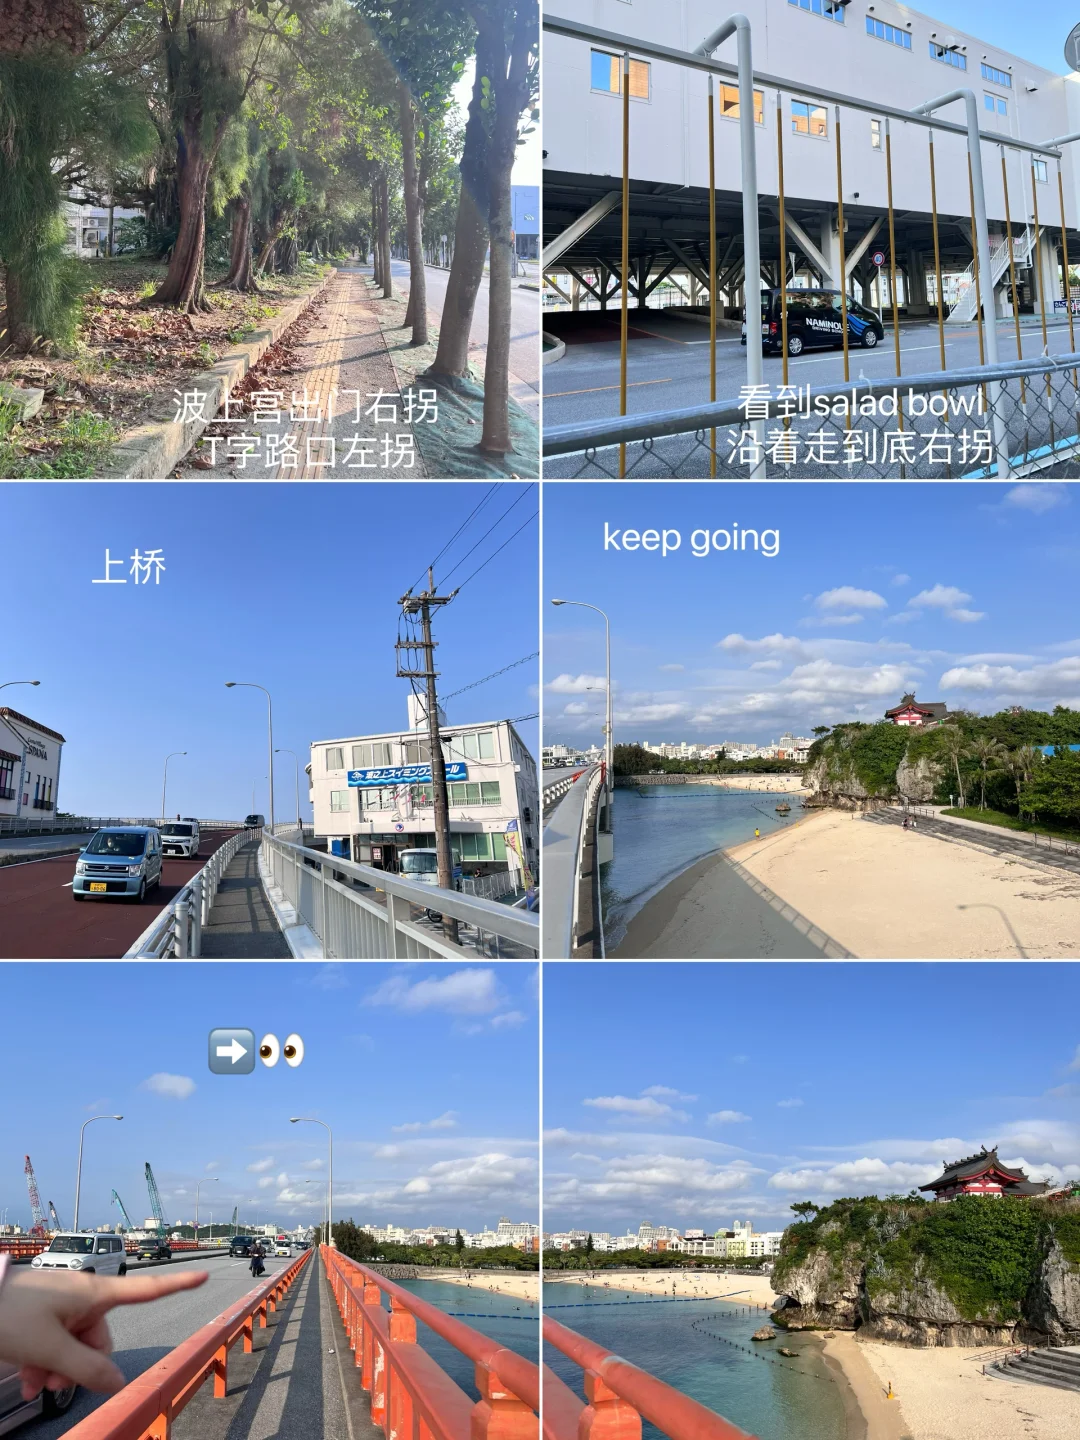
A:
(144, 1334)
(39, 919)
(669, 368)
(28, 845)
(524, 330)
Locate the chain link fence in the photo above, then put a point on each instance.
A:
(1009, 420)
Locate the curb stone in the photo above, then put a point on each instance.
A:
(151, 450)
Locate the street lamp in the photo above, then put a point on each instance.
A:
(609, 748)
(206, 1180)
(165, 777)
(323, 1183)
(19, 682)
(250, 685)
(283, 751)
(309, 1120)
(78, 1172)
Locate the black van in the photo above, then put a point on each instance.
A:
(814, 319)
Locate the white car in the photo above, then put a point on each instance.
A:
(76, 1250)
(180, 837)
(282, 1247)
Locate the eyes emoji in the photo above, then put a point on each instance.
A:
(293, 1050)
(270, 1050)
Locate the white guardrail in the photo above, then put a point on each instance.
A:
(177, 932)
(45, 824)
(378, 922)
(564, 841)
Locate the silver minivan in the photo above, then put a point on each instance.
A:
(180, 837)
(119, 860)
(80, 1250)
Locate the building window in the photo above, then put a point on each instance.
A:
(607, 75)
(417, 752)
(1039, 166)
(891, 34)
(729, 103)
(875, 135)
(339, 800)
(422, 795)
(996, 103)
(827, 9)
(479, 847)
(948, 57)
(7, 777)
(478, 745)
(475, 792)
(997, 77)
(807, 119)
(376, 798)
(335, 757)
(371, 757)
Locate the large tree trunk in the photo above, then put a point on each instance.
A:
(416, 315)
(241, 275)
(20, 333)
(496, 436)
(376, 277)
(184, 285)
(384, 236)
(470, 234)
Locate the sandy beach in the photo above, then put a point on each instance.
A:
(748, 1289)
(872, 891)
(943, 1395)
(522, 1286)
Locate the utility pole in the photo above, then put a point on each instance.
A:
(422, 605)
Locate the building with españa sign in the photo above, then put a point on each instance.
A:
(372, 795)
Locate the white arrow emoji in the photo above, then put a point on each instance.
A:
(234, 1050)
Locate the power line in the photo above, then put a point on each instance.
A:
(496, 552)
(517, 719)
(486, 533)
(513, 665)
(464, 524)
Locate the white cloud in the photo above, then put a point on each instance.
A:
(258, 1166)
(173, 1087)
(509, 1020)
(446, 1121)
(643, 1108)
(789, 1104)
(576, 684)
(901, 579)
(464, 992)
(767, 665)
(847, 597)
(739, 645)
(966, 617)
(727, 1117)
(665, 1091)
(1074, 1063)
(313, 1165)
(330, 977)
(837, 620)
(266, 1182)
(813, 681)
(948, 599)
(867, 1175)
(1055, 681)
(1037, 498)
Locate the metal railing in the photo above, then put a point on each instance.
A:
(619, 1397)
(1025, 414)
(564, 842)
(146, 1408)
(490, 887)
(558, 788)
(411, 1394)
(77, 824)
(177, 931)
(385, 919)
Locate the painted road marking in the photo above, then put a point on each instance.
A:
(595, 389)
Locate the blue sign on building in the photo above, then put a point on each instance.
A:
(405, 774)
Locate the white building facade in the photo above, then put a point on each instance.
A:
(29, 765)
(372, 796)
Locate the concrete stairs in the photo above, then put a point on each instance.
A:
(1059, 1367)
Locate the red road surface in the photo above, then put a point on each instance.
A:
(41, 920)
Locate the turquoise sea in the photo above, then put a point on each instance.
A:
(660, 830)
(703, 1348)
(512, 1322)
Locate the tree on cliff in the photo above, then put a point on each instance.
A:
(805, 1208)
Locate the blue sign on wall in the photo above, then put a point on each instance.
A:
(405, 774)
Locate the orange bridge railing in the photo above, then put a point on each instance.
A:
(410, 1393)
(619, 1396)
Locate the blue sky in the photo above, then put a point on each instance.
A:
(294, 587)
(426, 1073)
(953, 590)
(996, 21)
(695, 1094)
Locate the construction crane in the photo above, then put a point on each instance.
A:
(37, 1228)
(155, 1201)
(127, 1218)
(55, 1217)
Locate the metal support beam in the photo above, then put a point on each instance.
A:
(579, 227)
(813, 254)
(688, 260)
(864, 244)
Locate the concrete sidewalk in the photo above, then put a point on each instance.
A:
(242, 924)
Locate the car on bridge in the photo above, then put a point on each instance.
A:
(153, 1247)
(255, 822)
(283, 1245)
(241, 1245)
(119, 860)
(15, 1411)
(180, 837)
(78, 1250)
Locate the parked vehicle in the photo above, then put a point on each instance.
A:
(814, 319)
(154, 1247)
(15, 1411)
(119, 860)
(77, 1250)
(180, 837)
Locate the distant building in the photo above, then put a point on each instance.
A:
(982, 1174)
(90, 227)
(912, 712)
(29, 764)
(525, 203)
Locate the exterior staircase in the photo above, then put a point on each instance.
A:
(1057, 1367)
(963, 311)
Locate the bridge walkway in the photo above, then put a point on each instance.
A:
(242, 925)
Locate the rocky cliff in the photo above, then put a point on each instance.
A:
(974, 1272)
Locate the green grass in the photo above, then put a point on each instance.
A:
(85, 442)
(1012, 822)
